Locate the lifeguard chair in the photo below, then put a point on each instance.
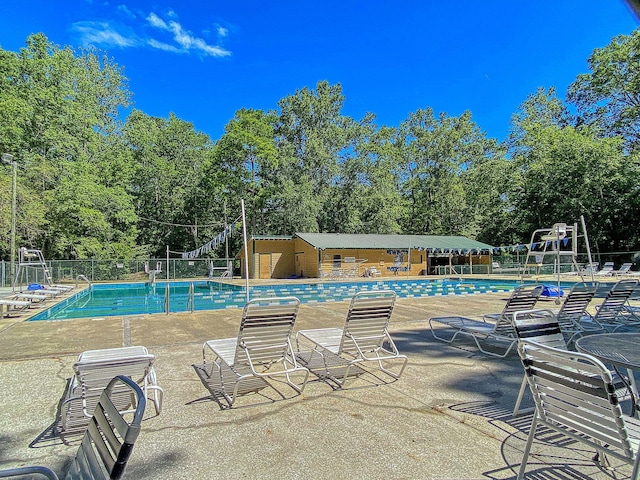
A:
(152, 273)
(552, 246)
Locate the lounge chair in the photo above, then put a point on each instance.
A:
(501, 329)
(373, 272)
(588, 269)
(7, 306)
(31, 297)
(625, 269)
(107, 443)
(262, 344)
(543, 327)
(364, 338)
(575, 396)
(607, 269)
(614, 312)
(574, 308)
(93, 371)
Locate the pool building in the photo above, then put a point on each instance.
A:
(319, 255)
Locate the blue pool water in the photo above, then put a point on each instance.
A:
(140, 298)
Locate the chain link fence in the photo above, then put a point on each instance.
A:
(68, 271)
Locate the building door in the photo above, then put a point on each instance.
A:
(265, 265)
(300, 264)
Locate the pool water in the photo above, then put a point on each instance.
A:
(139, 298)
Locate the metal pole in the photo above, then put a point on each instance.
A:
(246, 250)
(8, 159)
(586, 239)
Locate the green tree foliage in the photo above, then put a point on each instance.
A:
(569, 174)
(91, 186)
(170, 159)
(314, 139)
(59, 110)
(244, 160)
(608, 98)
(436, 153)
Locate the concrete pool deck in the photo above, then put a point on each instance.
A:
(448, 417)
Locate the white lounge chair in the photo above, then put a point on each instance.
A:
(93, 371)
(614, 312)
(364, 338)
(575, 396)
(8, 306)
(107, 443)
(607, 269)
(261, 350)
(543, 327)
(31, 297)
(574, 308)
(625, 269)
(500, 328)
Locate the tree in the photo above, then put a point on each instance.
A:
(89, 219)
(540, 110)
(58, 108)
(170, 160)
(568, 173)
(608, 98)
(243, 162)
(313, 140)
(435, 154)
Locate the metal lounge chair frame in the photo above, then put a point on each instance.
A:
(574, 395)
(606, 270)
(614, 311)
(543, 327)
(364, 337)
(13, 306)
(107, 443)
(263, 341)
(523, 297)
(625, 269)
(574, 307)
(93, 371)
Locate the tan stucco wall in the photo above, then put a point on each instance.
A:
(369, 258)
(309, 259)
(297, 257)
(280, 254)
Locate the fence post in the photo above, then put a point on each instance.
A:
(167, 302)
(191, 301)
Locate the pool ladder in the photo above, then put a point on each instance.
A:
(82, 277)
(190, 299)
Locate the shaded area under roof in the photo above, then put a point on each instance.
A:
(436, 243)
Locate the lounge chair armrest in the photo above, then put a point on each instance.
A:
(44, 471)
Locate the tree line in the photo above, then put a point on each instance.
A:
(92, 184)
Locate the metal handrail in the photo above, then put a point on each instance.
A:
(167, 303)
(82, 277)
(191, 298)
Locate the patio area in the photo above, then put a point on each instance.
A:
(448, 416)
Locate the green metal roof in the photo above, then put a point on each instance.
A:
(392, 242)
(272, 237)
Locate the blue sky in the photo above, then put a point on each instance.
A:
(204, 60)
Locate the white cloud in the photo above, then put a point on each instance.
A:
(131, 34)
(156, 21)
(186, 39)
(103, 34)
(163, 46)
(126, 12)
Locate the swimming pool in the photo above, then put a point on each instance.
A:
(103, 300)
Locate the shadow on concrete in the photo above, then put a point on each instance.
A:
(553, 456)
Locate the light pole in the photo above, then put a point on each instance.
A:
(8, 159)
